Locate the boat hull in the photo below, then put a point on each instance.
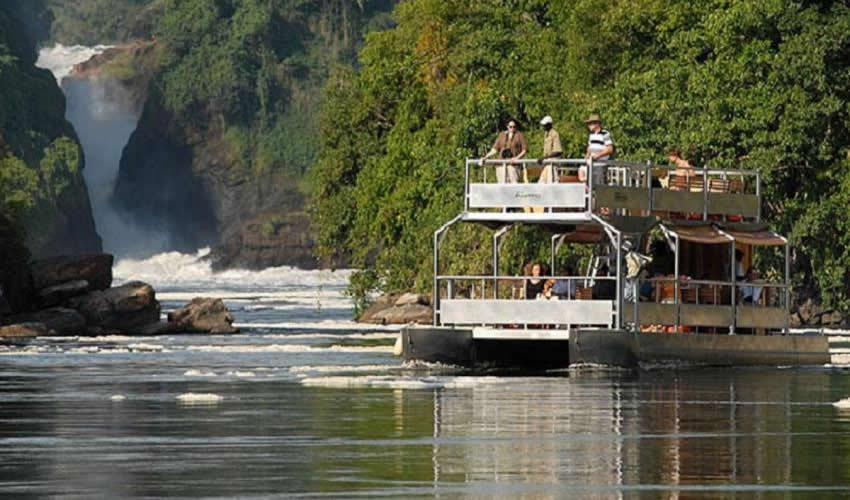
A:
(459, 346)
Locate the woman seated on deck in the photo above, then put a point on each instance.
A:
(534, 285)
(683, 170)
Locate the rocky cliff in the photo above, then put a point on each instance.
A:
(41, 162)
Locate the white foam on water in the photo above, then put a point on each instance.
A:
(117, 397)
(242, 374)
(293, 348)
(199, 373)
(392, 382)
(61, 59)
(844, 404)
(146, 348)
(194, 270)
(331, 336)
(345, 368)
(321, 325)
(199, 398)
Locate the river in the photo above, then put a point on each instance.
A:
(304, 403)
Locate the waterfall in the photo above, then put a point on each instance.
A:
(103, 115)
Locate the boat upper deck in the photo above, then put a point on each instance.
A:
(612, 188)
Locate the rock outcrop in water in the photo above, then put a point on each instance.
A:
(399, 310)
(204, 315)
(73, 296)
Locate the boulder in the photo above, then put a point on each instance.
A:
(57, 320)
(124, 308)
(59, 294)
(410, 313)
(203, 315)
(23, 330)
(412, 298)
(94, 268)
(368, 316)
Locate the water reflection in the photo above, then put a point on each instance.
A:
(659, 434)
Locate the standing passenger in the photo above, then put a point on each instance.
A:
(551, 149)
(600, 147)
(510, 144)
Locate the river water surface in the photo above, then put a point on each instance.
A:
(304, 403)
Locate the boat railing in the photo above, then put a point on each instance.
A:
(689, 303)
(627, 187)
(500, 301)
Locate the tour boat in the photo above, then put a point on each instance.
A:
(707, 224)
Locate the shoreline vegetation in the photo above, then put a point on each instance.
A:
(753, 85)
(340, 127)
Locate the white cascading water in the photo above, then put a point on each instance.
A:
(104, 116)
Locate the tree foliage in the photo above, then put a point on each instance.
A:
(750, 84)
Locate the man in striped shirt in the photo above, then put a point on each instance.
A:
(600, 147)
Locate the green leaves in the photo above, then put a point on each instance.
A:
(749, 84)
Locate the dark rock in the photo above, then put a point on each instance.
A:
(58, 294)
(267, 242)
(23, 330)
(99, 331)
(157, 328)
(125, 308)
(204, 315)
(410, 313)
(58, 320)
(94, 268)
(5, 308)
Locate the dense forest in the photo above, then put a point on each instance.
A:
(751, 84)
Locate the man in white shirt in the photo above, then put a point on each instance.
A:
(600, 147)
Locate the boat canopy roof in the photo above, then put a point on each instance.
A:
(714, 234)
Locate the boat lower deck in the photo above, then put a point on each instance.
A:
(560, 348)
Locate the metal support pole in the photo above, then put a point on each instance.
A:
(438, 235)
(787, 286)
(589, 182)
(552, 253)
(733, 291)
(436, 297)
(758, 195)
(496, 236)
(732, 267)
(649, 185)
(466, 186)
(676, 282)
(704, 194)
(619, 281)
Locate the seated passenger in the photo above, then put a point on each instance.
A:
(534, 285)
(751, 294)
(683, 168)
(563, 288)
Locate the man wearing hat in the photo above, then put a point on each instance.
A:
(551, 149)
(600, 146)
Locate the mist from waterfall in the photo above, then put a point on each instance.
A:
(103, 115)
